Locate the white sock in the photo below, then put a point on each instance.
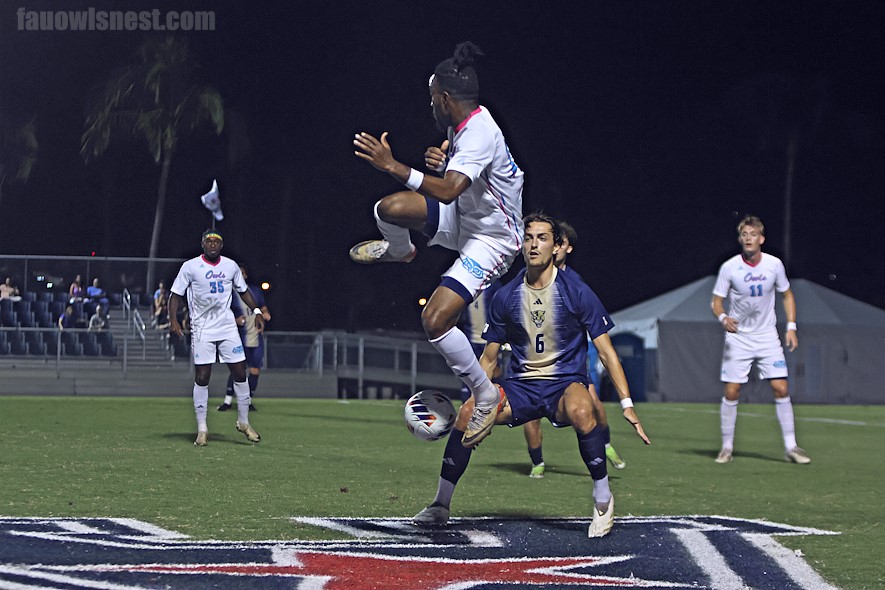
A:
(784, 409)
(459, 355)
(201, 406)
(398, 237)
(728, 413)
(244, 398)
(228, 399)
(602, 494)
(444, 491)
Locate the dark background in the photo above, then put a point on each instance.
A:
(651, 126)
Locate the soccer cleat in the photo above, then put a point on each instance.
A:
(202, 439)
(724, 456)
(614, 458)
(252, 408)
(602, 521)
(797, 455)
(537, 471)
(249, 432)
(480, 426)
(224, 407)
(375, 251)
(433, 516)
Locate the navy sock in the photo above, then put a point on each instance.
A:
(536, 455)
(253, 383)
(607, 434)
(230, 386)
(592, 447)
(455, 458)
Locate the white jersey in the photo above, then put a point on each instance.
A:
(750, 291)
(209, 288)
(491, 208)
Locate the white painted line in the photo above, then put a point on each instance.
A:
(793, 564)
(710, 560)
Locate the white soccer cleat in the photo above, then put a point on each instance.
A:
(602, 521)
(202, 439)
(480, 426)
(249, 432)
(375, 251)
(724, 456)
(797, 455)
(433, 516)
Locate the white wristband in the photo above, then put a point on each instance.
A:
(415, 180)
(722, 316)
(256, 311)
(791, 326)
(626, 403)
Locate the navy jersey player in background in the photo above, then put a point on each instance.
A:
(532, 429)
(545, 316)
(252, 335)
(474, 208)
(209, 280)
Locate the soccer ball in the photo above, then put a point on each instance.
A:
(429, 415)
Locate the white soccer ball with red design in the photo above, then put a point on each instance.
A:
(429, 415)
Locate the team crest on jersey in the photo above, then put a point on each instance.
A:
(370, 553)
(538, 317)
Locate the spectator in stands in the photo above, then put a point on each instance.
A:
(68, 319)
(97, 322)
(161, 300)
(97, 294)
(75, 293)
(9, 291)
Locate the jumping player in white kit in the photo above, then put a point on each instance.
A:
(474, 207)
(209, 281)
(749, 281)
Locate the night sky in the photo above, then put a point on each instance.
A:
(651, 126)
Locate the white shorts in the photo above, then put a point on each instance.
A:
(480, 261)
(229, 350)
(742, 350)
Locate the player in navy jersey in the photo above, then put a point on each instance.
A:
(532, 429)
(749, 280)
(252, 335)
(473, 207)
(545, 316)
(209, 280)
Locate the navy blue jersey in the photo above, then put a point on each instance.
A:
(547, 328)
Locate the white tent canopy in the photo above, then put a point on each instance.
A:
(840, 355)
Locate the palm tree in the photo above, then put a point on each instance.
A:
(18, 151)
(158, 100)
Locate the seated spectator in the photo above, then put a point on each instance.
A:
(75, 293)
(97, 294)
(9, 291)
(68, 319)
(97, 321)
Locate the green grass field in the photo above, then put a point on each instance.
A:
(79, 456)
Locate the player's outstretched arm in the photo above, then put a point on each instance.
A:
(377, 153)
(612, 363)
(489, 358)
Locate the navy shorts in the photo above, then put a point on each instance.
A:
(255, 356)
(537, 398)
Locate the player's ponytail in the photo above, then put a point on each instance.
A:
(457, 76)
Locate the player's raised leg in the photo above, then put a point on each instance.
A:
(395, 215)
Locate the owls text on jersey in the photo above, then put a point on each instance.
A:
(477, 149)
(209, 288)
(547, 328)
(750, 291)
